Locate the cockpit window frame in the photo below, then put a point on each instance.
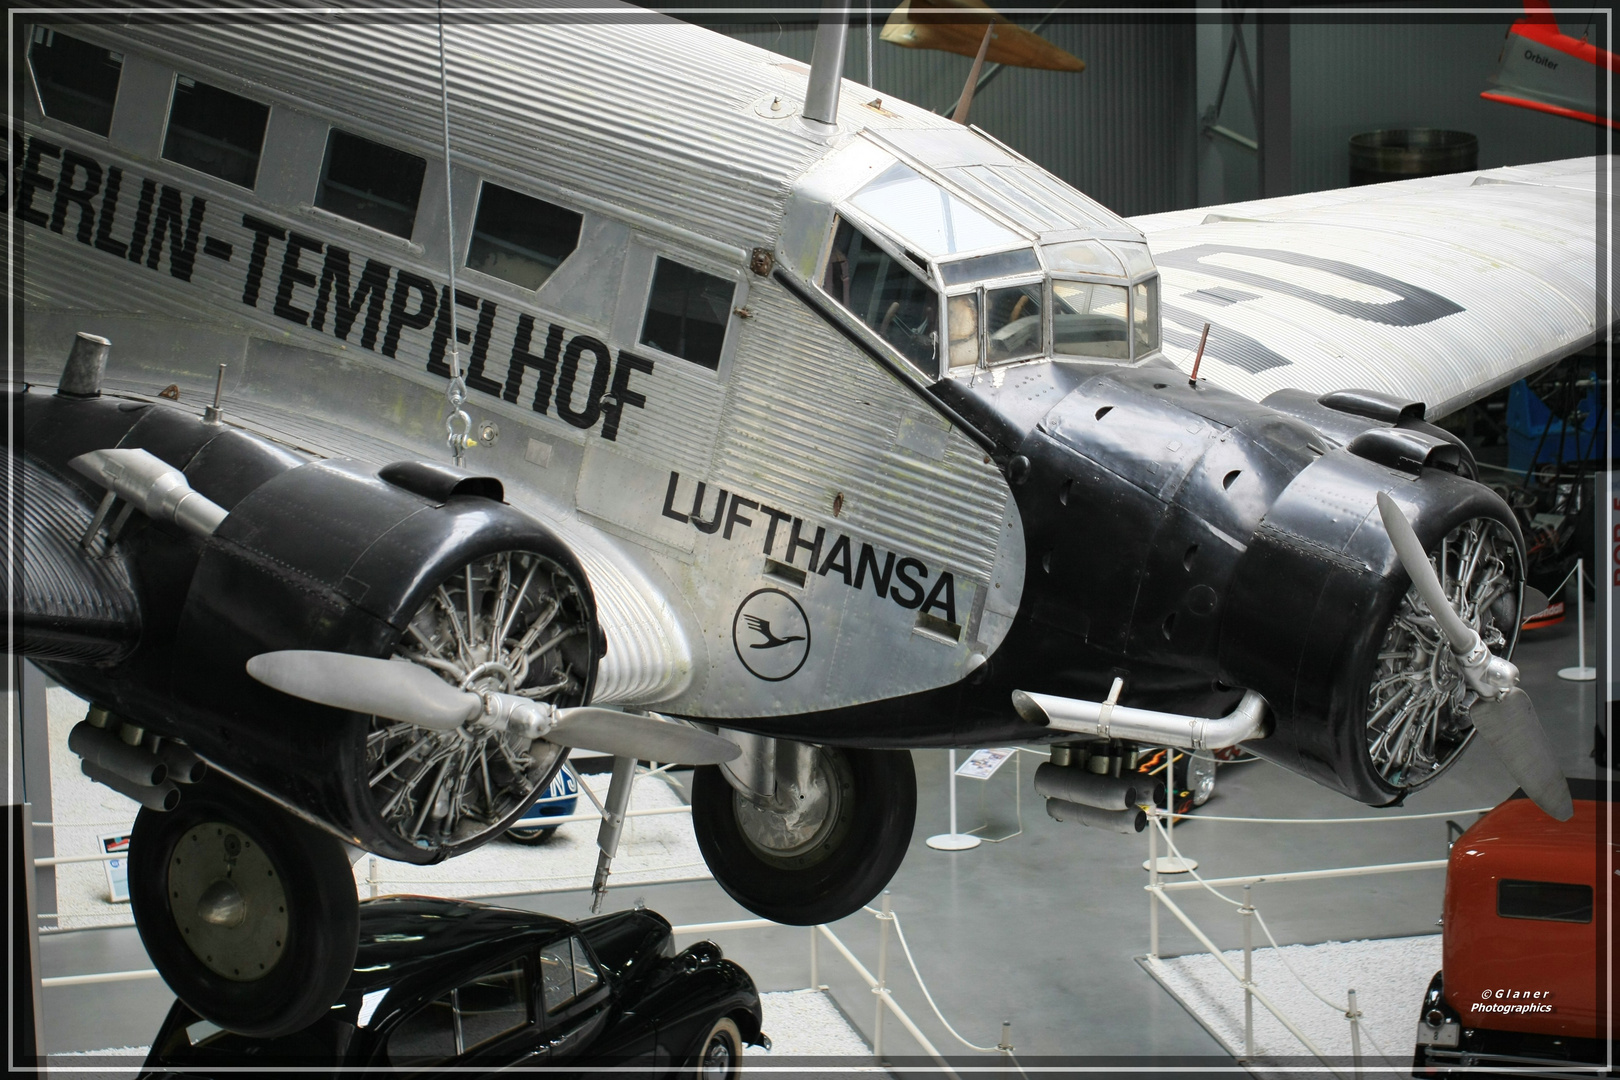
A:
(1128, 284)
(927, 273)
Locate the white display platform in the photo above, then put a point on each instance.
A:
(1389, 978)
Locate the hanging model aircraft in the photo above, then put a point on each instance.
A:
(800, 427)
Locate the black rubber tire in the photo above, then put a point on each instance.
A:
(883, 809)
(323, 919)
(721, 1049)
(531, 837)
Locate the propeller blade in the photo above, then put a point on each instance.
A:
(1409, 549)
(620, 734)
(1535, 602)
(393, 689)
(1513, 729)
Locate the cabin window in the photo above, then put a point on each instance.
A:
(886, 294)
(687, 313)
(77, 81)
(566, 973)
(370, 183)
(215, 131)
(1090, 320)
(519, 238)
(1551, 901)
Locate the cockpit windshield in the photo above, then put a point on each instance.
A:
(1089, 319)
(910, 253)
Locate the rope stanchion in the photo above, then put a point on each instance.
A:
(1581, 672)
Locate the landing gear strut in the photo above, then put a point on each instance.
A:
(248, 913)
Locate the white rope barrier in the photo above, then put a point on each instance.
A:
(1157, 890)
(1330, 820)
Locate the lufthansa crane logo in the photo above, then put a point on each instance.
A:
(771, 635)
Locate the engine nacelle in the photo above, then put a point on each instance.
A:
(415, 561)
(1319, 621)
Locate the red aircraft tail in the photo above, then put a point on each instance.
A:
(1544, 69)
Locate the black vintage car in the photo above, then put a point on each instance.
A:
(450, 986)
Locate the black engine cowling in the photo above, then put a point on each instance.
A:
(331, 555)
(1197, 544)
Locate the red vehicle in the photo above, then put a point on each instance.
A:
(1527, 949)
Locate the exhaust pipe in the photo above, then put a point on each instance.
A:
(1102, 792)
(185, 767)
(1110, 721)
(153, 486)
(86, 364)
(1120, 821)
(110, 754)
(164, 796)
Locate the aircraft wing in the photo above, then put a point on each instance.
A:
(1439, 290)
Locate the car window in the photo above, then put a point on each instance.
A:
(566, 972)
(493, 1005)
(1551, 901)
(426, 1037)
(472, 1015)
(78, 81)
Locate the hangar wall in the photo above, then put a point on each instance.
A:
(1126, 130)
(1122, 131)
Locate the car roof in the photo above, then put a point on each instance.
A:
(404, 939)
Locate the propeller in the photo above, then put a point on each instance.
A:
(1504, 715)
(403, 691)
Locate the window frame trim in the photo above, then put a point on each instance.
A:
(655, 249)
(32, 83)
(168, 118)
(931, 279)
(464, 237)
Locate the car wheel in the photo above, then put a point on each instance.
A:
(822, 859)
(720, 1056)
(531, 837)
(1200, 777)
(248, 913)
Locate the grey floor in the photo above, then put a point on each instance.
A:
(1042, 929)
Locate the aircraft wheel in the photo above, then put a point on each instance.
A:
(825, 857)
(248, 913)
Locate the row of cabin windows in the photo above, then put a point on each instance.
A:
(515, 237)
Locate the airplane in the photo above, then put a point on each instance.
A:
(348, 540)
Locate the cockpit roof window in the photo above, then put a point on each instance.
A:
(927, 216)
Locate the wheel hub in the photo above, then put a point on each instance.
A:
(228, 900)
(800, 825)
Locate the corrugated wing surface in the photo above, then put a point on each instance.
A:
(1440, 290)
